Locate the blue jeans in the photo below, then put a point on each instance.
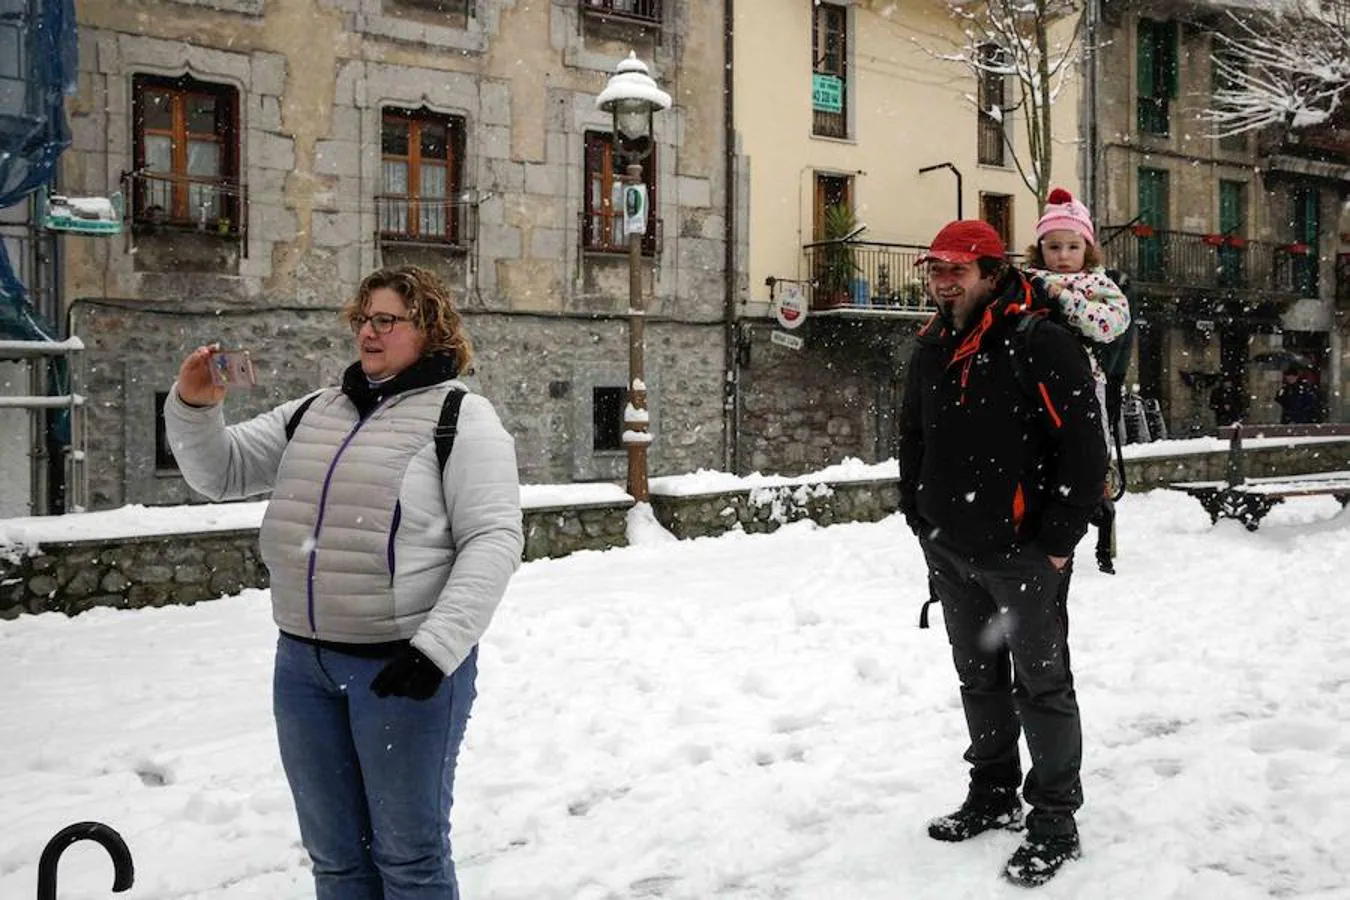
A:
(372, 779)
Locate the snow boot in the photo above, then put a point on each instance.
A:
(983, 811)
(1040, 856)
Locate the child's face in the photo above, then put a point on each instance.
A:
(1064, 250)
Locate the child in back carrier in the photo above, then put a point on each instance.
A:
(1068, 262)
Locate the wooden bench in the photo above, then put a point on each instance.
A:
(1249, 499)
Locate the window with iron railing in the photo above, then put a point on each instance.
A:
(829, 70)
(451, 13)
(1155, 75)
(603, 216)
(186, 154)
(992, 100)
(633, 10)
(420, 173)
(174, 202)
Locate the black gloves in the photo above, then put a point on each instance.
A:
(410, 674)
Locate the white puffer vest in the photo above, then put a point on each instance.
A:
(356, 535)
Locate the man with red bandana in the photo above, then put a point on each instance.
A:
(1001, 466)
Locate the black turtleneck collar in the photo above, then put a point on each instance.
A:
(427, 371)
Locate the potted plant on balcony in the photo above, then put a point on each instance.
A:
(836, 265)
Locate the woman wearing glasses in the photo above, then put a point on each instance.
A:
(385, 572)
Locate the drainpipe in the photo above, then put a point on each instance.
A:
(731, 387)
(957, 173)
(1092, 144)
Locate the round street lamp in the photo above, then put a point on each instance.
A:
(631, 97)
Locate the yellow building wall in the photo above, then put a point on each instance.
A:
(907, 108)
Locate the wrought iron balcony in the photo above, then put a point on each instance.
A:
(643, 11)
(425, 220)
(1187, 260)
(866, 275)
(601, 231)
(990, 143)
(175, 201)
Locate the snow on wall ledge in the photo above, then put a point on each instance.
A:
(155, 556)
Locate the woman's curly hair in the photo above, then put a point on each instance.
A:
(429, 304)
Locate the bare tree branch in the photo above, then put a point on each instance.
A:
(1287, 68)
(1037, 67)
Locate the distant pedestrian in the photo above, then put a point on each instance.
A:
(1228, 401)
(1298, 399)
(998, 483)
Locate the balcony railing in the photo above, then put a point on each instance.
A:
(425, 220)
(646, 11)
(175, 201)
(1183, 259)
(602, 231)
(866, 275)
(990, 141)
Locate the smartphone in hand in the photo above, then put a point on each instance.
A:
(232, 368)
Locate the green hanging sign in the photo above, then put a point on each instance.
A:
(827, 93)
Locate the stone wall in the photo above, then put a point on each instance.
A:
(539, 372)
(837, 397)
(764, 509)
(185, 568)
(130, 573)
(136, 572)
(1261, 462)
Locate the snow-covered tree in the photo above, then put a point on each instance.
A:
(1018, 41)
(1284, 64)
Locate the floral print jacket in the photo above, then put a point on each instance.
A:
(1089, 302)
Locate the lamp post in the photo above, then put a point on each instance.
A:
(630, 97)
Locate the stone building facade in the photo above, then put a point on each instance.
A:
(1236, 245)
(271, 154)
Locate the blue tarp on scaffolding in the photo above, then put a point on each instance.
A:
(38, 67)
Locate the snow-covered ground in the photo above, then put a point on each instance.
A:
(739, 718)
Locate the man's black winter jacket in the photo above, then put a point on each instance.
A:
(985, 463)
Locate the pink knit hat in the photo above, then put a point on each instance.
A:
(1062, 211)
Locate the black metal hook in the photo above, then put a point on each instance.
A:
(124, 872)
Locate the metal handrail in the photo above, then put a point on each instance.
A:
(645, 11)
(176, 200)
(866, 275)
(606, 223)
(432, 220)
(1222, 260)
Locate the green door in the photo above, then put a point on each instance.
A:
(1152, 214)
(1232, 224)
(1303, 228)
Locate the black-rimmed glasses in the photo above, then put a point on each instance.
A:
(382, 323)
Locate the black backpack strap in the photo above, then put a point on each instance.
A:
(447, 425)
(1020, 340)
(923, 610)
(294, 421)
